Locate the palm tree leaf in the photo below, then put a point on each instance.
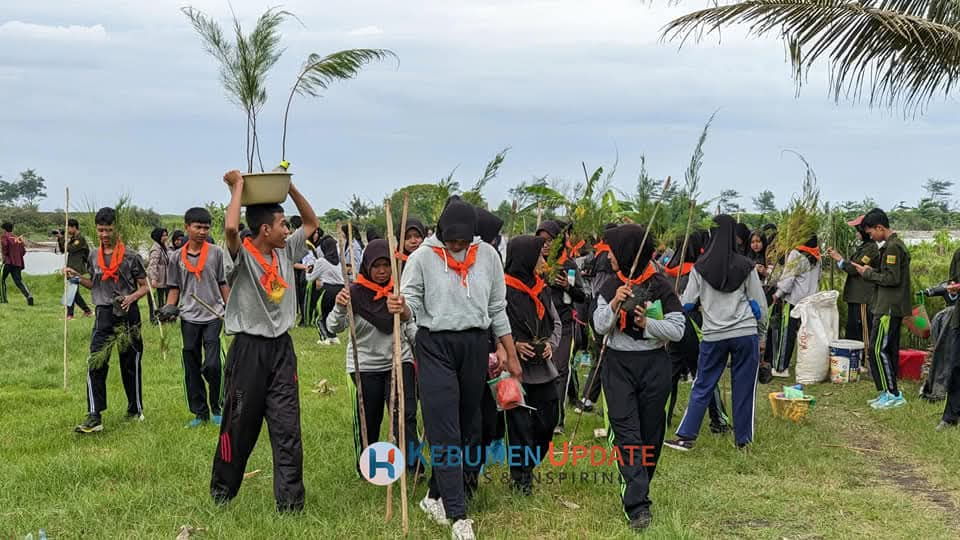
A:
(490, 171)
(898, 51)
(319, 71)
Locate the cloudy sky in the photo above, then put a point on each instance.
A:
(116, 95)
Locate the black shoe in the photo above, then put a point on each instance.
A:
(642, 521)
(765, 373)
(719, 429)
(29, 300)
(92, 424)
(684, 445)
(134, 416)
(743, 446)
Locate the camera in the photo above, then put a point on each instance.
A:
(56, 232)
(938, 290)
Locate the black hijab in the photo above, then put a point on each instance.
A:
(373, 311)
(694, 247)
(413, 224)
(523, 252)
(156, 234)
(177, 235)
(488, 226)
(743, 233)
(330, 250)
(721, 265)
(457, 222)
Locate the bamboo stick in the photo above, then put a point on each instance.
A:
(353, 335)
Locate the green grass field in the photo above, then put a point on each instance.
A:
(849, 472)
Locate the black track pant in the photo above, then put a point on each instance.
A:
(886, 352)
(15, 273)
(77, 302)
(376, 400)
(201, 362)
(951, 411)
(533, 429)
(451, 367)
(261, 382)
(561, 358)
(636, 386)
(684, 356)
(788, 339)
(591, 388)
(105, 329)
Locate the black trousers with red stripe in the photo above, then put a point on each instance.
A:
(261, 382)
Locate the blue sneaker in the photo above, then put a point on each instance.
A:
(196, 422)
(876, 399)
(217, 419)
(881, 401)
(894, 401)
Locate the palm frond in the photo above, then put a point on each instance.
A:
(490, 171)
(890, 51)
(691, 188)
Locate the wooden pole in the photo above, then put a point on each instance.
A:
(353, 338)
(353, 263)
(397, 389)
(633, 268)
(66, 285)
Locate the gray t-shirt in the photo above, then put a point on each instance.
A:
(207, 288)
(131, 270)
(249, 310)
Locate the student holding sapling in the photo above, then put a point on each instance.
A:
(118, 280)
(893, 302)
(536, 327)
(453, 288)
(197, 283)
(636, 370)
(565, 293)
(261, 372)
(800, 279)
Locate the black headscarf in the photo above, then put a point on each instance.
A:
(694, 247)
(413, 224)
(721, 265)
(373, 311)
(488, 226)
(156, 234)
(555, 229)
(177, 235)
(330, 250)
(761, 257)
(523, 252)
(457, 222)
(743, 233)
(372, 235)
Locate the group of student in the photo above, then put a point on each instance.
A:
(466, 316)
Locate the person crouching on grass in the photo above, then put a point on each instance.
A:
(454, 290)
(728, 289)
(197, 282)
(537, 329)
(636, 371)
(117, 282)
(261, 373)
(374, 326)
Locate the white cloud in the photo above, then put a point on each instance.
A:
(371, 30)
(30, 31)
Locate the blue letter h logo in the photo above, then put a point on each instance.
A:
(387, 465)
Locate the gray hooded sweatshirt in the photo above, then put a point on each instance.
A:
(439, 300)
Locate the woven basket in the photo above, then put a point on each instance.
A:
(795, 410)
(265, 188)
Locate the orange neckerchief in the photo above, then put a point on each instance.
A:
(116, 258)
(461, 268)
(600, 247)
(812, 251)
(533, 292)
(679, 270)
(647, 274)
(401, 256)
(271, 279)
(195, 270)
(382, 291)
(575, 250)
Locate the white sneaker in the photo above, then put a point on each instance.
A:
(334, 340)
(785, 374)
(463, 530)
(434, 510)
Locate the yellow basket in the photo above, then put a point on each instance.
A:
(794, 410)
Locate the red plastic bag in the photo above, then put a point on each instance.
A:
(507, 392)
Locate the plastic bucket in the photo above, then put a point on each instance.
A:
(846, 357)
